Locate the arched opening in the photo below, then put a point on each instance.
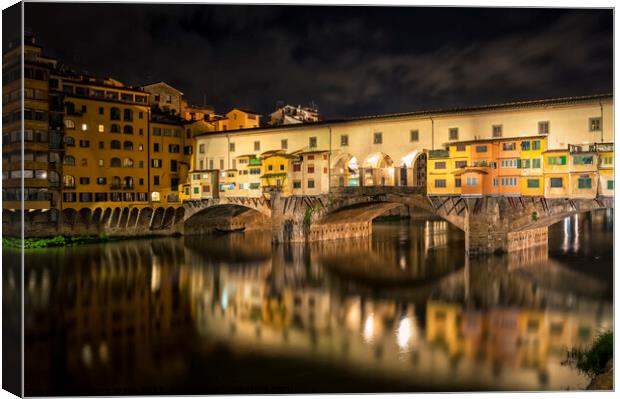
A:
(412, 169)
(124, 217)
(116, 215)
(168, 217)
(85, 215)
(144, 218)
(96, 218)
(133, 217)
(225, 218)
(345, 172)
(157, 218)
(378, 170)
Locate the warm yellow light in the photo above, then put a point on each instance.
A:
(84, 127)
(369, 327)
(403, 334)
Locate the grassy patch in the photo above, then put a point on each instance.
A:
(592, 361)
(63, 241)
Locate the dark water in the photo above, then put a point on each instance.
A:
(401, 311)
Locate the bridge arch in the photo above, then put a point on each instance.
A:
(345, 171)
(224, 217)
(378, 170)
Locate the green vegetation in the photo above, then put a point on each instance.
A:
(308, 215)
(534, 216)
(592, 361)
(62, 241)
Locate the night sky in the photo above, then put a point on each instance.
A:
(351, 61)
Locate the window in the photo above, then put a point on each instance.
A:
(101, 162)
(440, 165)
(440, 183)
(536, 145)
(533, 183)
(481, 148)
(610, 184)
(525, 163)
(69, 141)
(127, 115)
(101, 180)
(174, 148)
(84, 180)
(472, 181)
(296, 184)
(312, 142)
(509, 181)
(414, 135)
(156, 163)
(310, 168)
(310, 183)
(525, 146)
(495, 182)
(560, 160)
(453, 133)
(461, 147)
(584, 182)
(128, 163)
(257, 146)
(555, 182)
(128, 146)
(69, 160)
(100, 110)
(201, 149)
(344, 140)
(296, 167)
(173, 165)
(509, 163)
(497, 130)
(115, 145)
(460, 164)
(156, 180)
(231, 147)
(583, 159)
(114, 128)
(115, 162)
(115, 114)
(536, 163)
(221, 164)
(100, 128)
(543, 127)
(595, 124)
(284, 144)
(378, 138)
(509, 146)
(210, 164)
(457, 182)
(84, 143)
(69, 124)
(128, 129)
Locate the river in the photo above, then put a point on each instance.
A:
(403, 310)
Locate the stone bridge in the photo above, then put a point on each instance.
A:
(490, 224)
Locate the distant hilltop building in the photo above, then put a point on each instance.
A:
(289, 115)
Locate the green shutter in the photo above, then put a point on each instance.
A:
(610, 184)
(563, 160)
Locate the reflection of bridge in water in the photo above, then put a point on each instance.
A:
(134, 308)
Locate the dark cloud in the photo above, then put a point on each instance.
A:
(349, 60)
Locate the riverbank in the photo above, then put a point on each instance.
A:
(605, 380)
(66, 241)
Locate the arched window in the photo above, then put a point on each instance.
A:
(53, 178)
(128, 146)
(114, 128)
(69, 160)
(115, 145)
(69, 124)
(128, 115)
(128, 182)
(115, 162)
(69, 141)
(116, 182)
(115, 114)
(54, 157)
(128, 163)
(128, 129)
(68, 181)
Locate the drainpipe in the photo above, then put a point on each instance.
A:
(432, 132)
(602, 137)
(228, 152)
(329, 161)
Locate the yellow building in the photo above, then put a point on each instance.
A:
(606, 169)
(169, 158)
(238, 118)
(274, 171)
(40, 140)
(203, 185)
(555, 172)
(106, 160)
(583, 174)
(531, 163)
(441, 179)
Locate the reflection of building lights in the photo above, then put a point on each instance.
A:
(87, 355)
(566, 229)
(402, 262)
(403, 335)
(103, 352)
(224, 299)
(369, 327)
(155, 275)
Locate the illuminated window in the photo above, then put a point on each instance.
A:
(100, 128)
(84, 127)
